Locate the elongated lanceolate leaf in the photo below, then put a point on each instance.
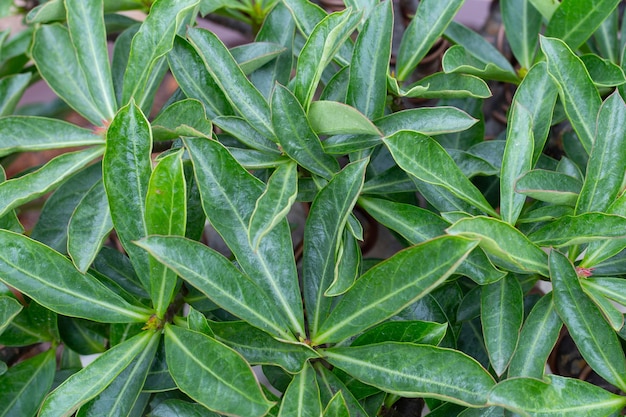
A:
(89, 226)
(597, 342)
(508, 245)
(85, 21)
(126, 169)
(334, 118)
(422, 157)
(613, 288)
(367, 90)
(18, 191)
(30, 133)
(50, 278)
(153, 40)
(323, 230)
(581, 99)
(11, 89)
(245, 133)
(584, 228)
(393, 285)
(537, 339)
(555, 397)
(218, 279)
(254, 55)
(522, 23)
(229, 194)
(443, 85)
(302, 397)
(431, 19)
(412, 370)
(426, 120)
(213, 374)
(90, 381)
(296, 136)
(239, 91)
(607, 163)
(275, 202)
(550, 186)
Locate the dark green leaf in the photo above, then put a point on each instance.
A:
(9, 308)
(522, 23)
(427, 121)
(11, 90)
(182, 118)
(302, 397)
(254, 55)
(419, 332)
(550, 186)
(443, 85)
(180, 408)
(33, 324)
(82, 336)
(337, 407)
(347, 263)
(584, 228)
(246, 134)
(603, 72)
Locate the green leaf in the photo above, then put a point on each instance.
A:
(536, 340)
(367, 91)
(337, 407)
(334, 118)
(254, 55)
(56, 60)
(606, 166)
(229, 194)
(9, 308)
(25, 385)
(11, 90)
(20, 190)
(327, 218)
(508, 246)
(213, 374)
(603, 72)
(182, 118)
(34, 324)
(584, 228)
(443, 85)
(51, 279)
(166, 214)
(607, 39)
(426, 120)
(522, 23)
(275, 202)
(502, 314)
(178, 408)
(574, 21)
(347, 263)
(127, 157)
(410, 370)
(296, 137)
(611, 313)
(246, 134)
(593, 336)
(82, 336)
(557, 396)
(517, 161)
(302, 397)
(153, 40)
(457, 59)
(419, 332)
(320, 48)
(431, 19)
(434, 167)
(550, 186)
(85, 22)
(330, 385)
(602, 250)
(88, 228)
(580, 97)
(92, 380)
(239, 91)
(612, 288)
(392, 285)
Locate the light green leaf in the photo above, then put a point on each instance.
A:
(597, 342)
(550, 186)
(54, 10)
(213, 374)
(613, 288)
(337, 407)
(431, 19)
(522, 23)
(334, 118)
(458, 60)
(322, 234)
(410, 370)
(611, 313)
(392, 285)
(444, 85)
(254, 55)
(508, 246)
(89, 226)
(580, 97)
(555, 397)
(182, 118)
(229, 194)
(275, 202)
(20, 190)
(11, 90)
(92, 380)
(584, 228)
(426, 120)
(302, 397)
(434, 167)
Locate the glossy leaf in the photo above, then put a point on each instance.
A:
(580, 97)
(603, 72)
(254, 55)
(604, 175)
(11, 91)
(443, 85)
(26, 384)
(522, 23)
(426, 120)
(612, 314)
(556, 396)
(347, 264)
(550, 186)
(584, 228)
(392, 285)
(322, 234)
(367, 90)
(537, 339)
(9, 308)
(302, 397)
(412, 370)
(434, 166)
(153, 40)
(178, 408)
(506, 244)
(419, 332)
(330, 385)
(337, 407)
(239, 91)
(88, 228)
(345, 144)
(604, 249)
(213, 374)
(457, 59)
(127, 156)
(296, 136)
(333, 118)
(593, 336)
(85, 22)
(431, 19)
(92, 380)
(182, 118)
(229, 194)
(245, 133)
